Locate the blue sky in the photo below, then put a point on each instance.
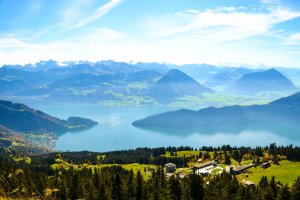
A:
(218, 32)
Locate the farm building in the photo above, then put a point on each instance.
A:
(235, 170)
(206, 164)
(206, 168)
(265, 165)
(170, 167)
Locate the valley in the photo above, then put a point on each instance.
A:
(117, 94)
(242, 108)
(130, 126)
(149, 100)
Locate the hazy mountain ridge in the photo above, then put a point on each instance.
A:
(226, 77)
(284, 110)
(110, 81)
(21, 118)
(8, 137)
(265, 81)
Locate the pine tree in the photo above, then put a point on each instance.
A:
(130, 186)
(296, 189)
(196, 187)
(74, 188)
(62, 192)
(263, 184)
(284, 193)
(117, 188)
(175, 188)
(273, 186)
(139, 186)
(101, 192)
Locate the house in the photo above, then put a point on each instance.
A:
(206, 164)
(235, 170)
(265, 165)
(170, 167)
(206, 168)
(247, 182)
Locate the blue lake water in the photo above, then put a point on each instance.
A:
(115, 132)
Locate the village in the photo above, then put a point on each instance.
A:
(247, 167)
(209, 168)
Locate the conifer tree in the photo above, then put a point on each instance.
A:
(139, 186)
(296, 189)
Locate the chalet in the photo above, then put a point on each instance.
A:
(206, 168)
(206, 164)
(247, 182)
(238, 169)
(265, 165)
(170, 167)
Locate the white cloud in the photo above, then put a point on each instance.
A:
(75, 15)
(220, 24)
(213, 36)
(95, 45)
(293, 39)
(293, 53)
(79, 13)
(74, 11)
(270, 2)
(7, 43)
(100, 12)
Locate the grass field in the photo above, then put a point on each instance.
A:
(218, 99)
(26, 159)
(140, 167)
(287, 172)
(183, 154)
(135, 167)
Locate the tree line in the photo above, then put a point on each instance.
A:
(155, 155)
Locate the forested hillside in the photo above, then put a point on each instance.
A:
(34, 178)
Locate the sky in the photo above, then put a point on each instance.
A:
(220, 32)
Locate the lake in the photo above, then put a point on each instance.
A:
(115, 132)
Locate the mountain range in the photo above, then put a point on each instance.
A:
(150, 83)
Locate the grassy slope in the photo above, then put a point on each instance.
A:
(183, 154)
(287, 172)
(134, 166)
(219, 99)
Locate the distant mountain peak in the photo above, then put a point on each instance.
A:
(175, 71)
(175, 84)
(269, 80)
(175, 75)
(272, 70)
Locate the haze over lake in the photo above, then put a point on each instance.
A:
(115, 132)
